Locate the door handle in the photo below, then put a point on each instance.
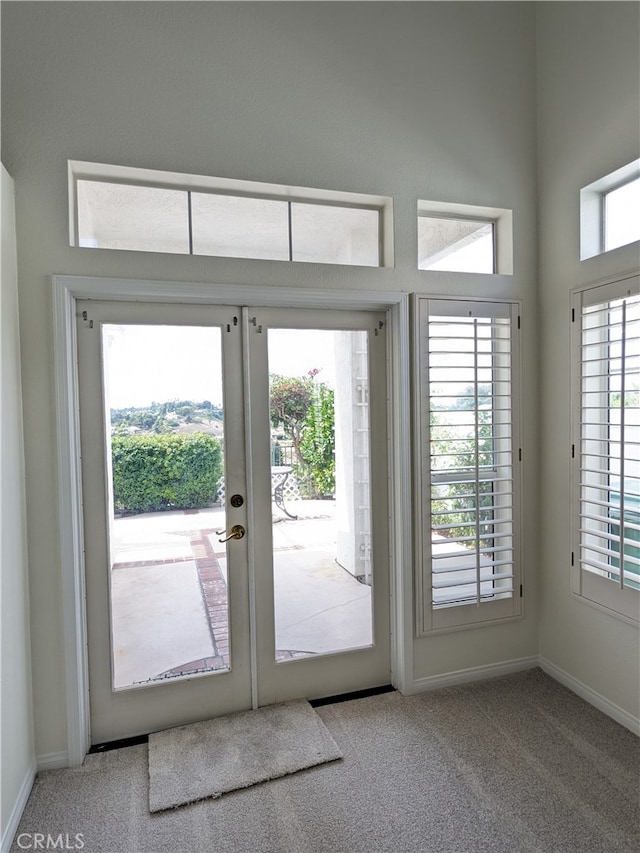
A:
(236, 532)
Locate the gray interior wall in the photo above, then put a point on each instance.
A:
(589, 125)
(411, 100)
(17, 742)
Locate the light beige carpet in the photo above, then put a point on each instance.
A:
(208, 759)
(516, 764)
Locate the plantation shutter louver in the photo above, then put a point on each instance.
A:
(470, 497)
(607, 446)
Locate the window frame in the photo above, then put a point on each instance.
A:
(592, 210)
(604, 197)
(451, 218)
(205, 184)
(603, 593)
(434, 620)
(501, 219)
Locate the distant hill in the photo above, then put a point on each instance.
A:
(176, 416)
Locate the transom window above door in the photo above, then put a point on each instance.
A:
(464, 238)
(148, 211)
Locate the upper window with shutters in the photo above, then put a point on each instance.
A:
(606, 446)
(467, 361)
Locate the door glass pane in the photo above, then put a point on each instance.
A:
(320, 491)
(239, 227)
(169, 606)
(121, 216)
(326, 234)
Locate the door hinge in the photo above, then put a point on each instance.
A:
(573, 315)
(520, 590)
(85, 319)
(519, 454)
(573, 451)
(518, 321)
(380, 326)
(572, 559)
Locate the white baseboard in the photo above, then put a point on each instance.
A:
(591, 696)
(52, 760)
(18, 807)
(477, 673)
(474, 673)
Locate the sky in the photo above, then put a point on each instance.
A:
(145, 364)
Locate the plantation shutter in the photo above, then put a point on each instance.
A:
(468, 362)
(606, 446)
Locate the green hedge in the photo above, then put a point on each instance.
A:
(160, 472)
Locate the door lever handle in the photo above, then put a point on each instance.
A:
(236, 532)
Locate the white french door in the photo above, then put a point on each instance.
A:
(265, 428)
(329, 633)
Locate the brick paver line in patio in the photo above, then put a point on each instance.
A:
(215, 598)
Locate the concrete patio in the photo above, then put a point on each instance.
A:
(169, 592)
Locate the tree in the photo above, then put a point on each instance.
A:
(290, 399)
(304, 408)
(457, 448)
(318, 442)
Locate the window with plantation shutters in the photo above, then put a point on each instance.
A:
(606, 446)
(467, 362)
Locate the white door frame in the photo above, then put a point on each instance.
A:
(67, 290)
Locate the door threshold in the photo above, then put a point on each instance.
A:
(315, 703)
(118, 744)
(355, 694)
